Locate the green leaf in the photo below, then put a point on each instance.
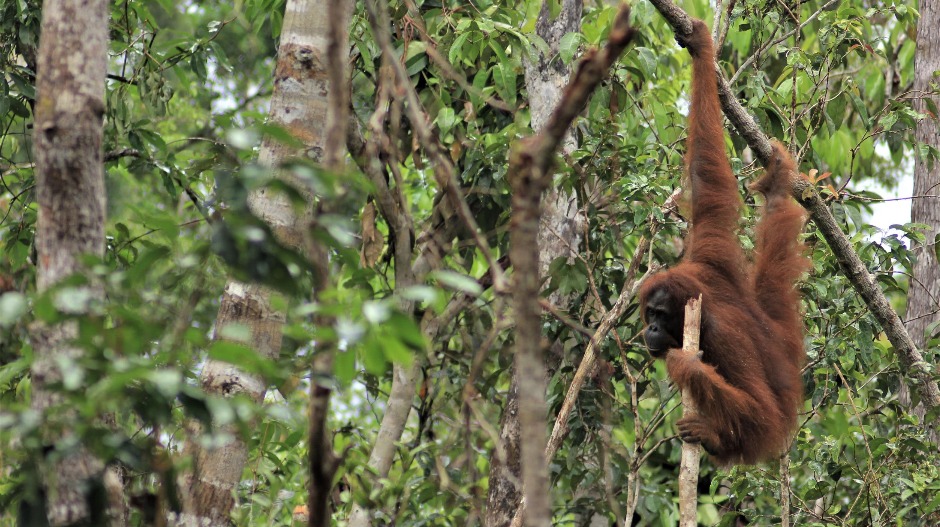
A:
(395, 351)
(12, 307)
(453, 55)
(344, 367)
(73, 300)
(18, 108)
(73, 375)
(239, 333)
(167, 382)
(446, 119)
(376, 311)
(504, 75)
(887, 120)
(859, 107)
(145, 262)
(373, 355)
(569, 45)
(407, 330)
(12, 370)
(169, 185)
(646, 60)
(460, 282)
(242, 356)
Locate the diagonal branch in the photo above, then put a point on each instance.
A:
(589, 360)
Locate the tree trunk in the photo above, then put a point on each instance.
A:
(924, 290)
(299, 104)
(559, 235)
(73, 59)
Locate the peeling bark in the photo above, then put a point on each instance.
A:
(691, 452)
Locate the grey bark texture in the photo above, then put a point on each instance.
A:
(923, 301)
(559, 235)
(299, 104)
(545, 78)
(70, 86)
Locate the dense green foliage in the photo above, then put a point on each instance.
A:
(186, 102)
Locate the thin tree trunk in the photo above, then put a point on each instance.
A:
(73, 59)
(558, 236)
(923, 299)
(785, 490)
(529, 361)
(299, 104)
(322, 461)
(530, 174)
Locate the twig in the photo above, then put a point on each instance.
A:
(446, 67)
(586, 368)
(754, 56)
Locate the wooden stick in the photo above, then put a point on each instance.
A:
(691, 452)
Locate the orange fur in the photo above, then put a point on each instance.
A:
(747, 383)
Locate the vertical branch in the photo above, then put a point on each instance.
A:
(529, 174)
(691, 452)
(322, 461)
(527, 187)
(559, 236)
